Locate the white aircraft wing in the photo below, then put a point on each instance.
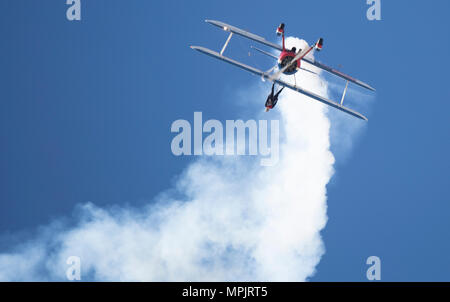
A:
(248, 35)
(243, 33)
(338, 73)
(280, 82)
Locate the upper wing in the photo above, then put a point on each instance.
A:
(261, 40)
(338, 73)
(280, 82)
(244, 33)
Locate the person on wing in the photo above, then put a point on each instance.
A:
(272, 99)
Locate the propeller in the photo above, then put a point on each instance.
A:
(300, 55)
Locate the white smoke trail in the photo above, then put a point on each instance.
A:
(235, 221)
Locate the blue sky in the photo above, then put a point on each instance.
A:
(86, 109)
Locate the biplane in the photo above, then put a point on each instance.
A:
(289, 62)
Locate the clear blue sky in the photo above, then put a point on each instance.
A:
(86, 109)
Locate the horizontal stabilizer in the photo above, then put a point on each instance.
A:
(338, 73)
(265, 52)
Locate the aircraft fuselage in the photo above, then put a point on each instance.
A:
(285, 58)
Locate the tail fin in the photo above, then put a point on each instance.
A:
(280, 29)
(319, 44)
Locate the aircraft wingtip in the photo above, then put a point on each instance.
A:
(370, 87)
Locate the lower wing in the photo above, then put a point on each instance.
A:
(280, 82)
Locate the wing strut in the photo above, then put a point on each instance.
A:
(226, 43)
(345, 91)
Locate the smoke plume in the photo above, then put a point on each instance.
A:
(227, 219)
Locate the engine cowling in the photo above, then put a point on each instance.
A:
(286, 58)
